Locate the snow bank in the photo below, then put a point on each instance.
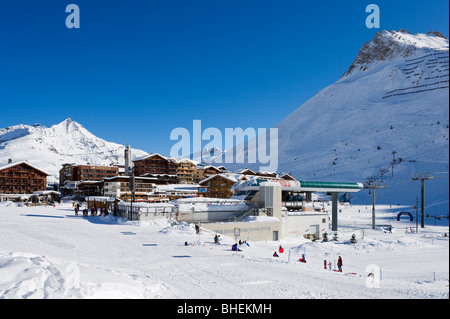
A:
(25, 275)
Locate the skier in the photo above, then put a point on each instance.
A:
(281, 250)
(339, 264)
(324, 264)
(275, 254)
(197, 229)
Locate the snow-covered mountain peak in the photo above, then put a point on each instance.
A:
(68, 126)
(391, 45)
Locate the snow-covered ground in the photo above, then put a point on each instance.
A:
(48, 252)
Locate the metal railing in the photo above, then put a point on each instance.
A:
(124, 210)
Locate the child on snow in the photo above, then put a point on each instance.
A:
(235, 247)
(303, 259)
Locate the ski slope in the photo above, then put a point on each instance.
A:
(48, 252)
(393, 98)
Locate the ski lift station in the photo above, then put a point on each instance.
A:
(259, 209)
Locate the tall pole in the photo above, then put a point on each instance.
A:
(131, 185)
(422, 206)
(417, 214)
(373, 185)
(393, 162)
(373, 208)
(422, 177)
(334, 211)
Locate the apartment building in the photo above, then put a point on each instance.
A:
(155, 164)
(22, 178)
(219, 185)
(203, 172)
(186, 171)
(119, 186)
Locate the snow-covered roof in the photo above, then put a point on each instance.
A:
(187, 160)
(288, 176)
(23, 162)
(178, 187)
(246, 170)
(39, 193)
(156, 175)
(230, 176)
(127, 178)
(211, 166)
(155, 154)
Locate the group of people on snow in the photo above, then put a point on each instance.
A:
(94, 211)
(303, 260)
(339, 264)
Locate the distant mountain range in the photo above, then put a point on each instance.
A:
(50, 147)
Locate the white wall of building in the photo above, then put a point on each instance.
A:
(296, 225)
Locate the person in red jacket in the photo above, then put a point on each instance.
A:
(281, 250)
(339, 263)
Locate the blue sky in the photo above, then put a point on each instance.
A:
(135, 70)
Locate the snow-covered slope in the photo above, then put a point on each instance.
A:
(50, 147)
(48, 253)
(393, 98)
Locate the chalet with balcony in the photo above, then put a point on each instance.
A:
(22, 178)
(155, 164)
(219, 185)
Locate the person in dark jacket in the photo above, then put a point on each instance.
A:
(235, 247)
(339, 263)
